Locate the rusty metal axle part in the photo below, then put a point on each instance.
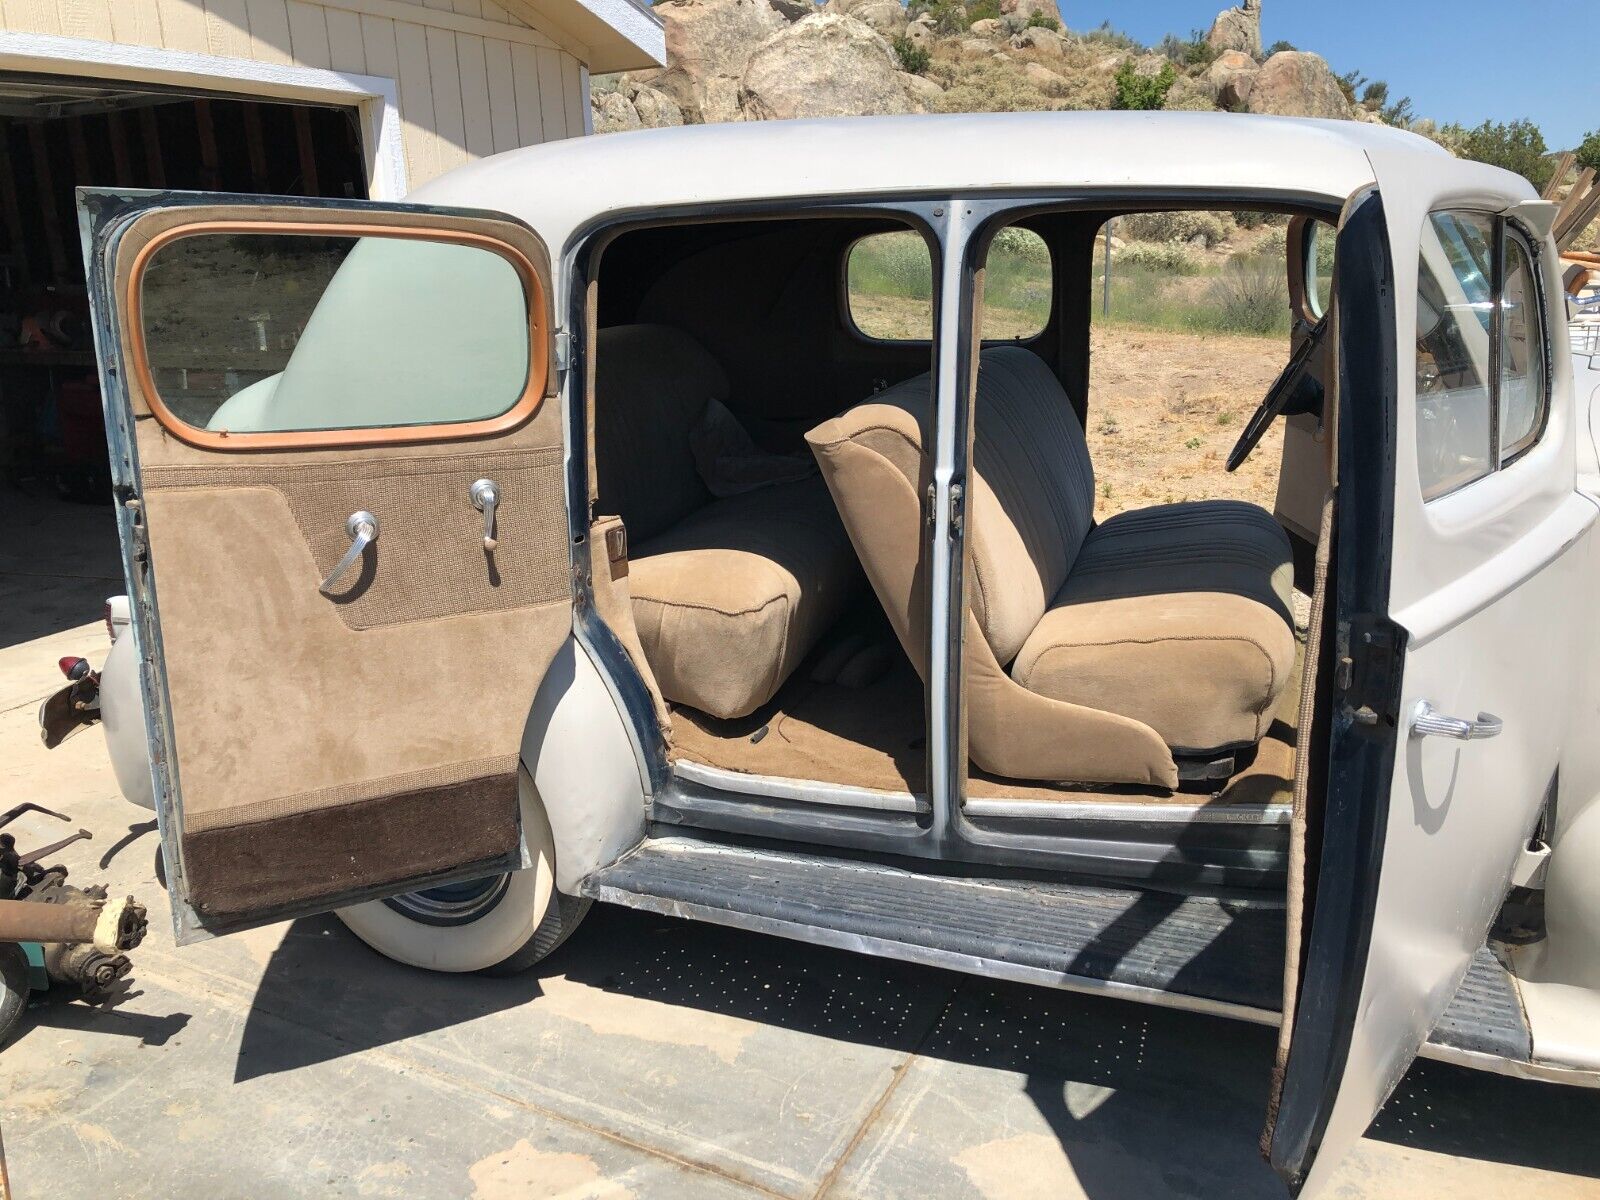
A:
(83, 965)
(110, 926)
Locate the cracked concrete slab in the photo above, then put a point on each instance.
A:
(649, 1058)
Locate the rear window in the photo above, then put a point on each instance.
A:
(889, 285)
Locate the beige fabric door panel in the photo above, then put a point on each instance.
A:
(332, 744)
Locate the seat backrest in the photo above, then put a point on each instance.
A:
(651, 385)
(1032, 495)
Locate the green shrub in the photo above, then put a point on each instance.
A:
(1280, 47)
(1114, 38)
(1589, 152)
(891, 264)
(1039, 20)
(982, 10)
(913, 58)
(1193, 51)
(1251, 296)
(1143, 92)
(1178, 226)
(1251, 219)
(1171, 258)
(1514, 145)
(949, 16)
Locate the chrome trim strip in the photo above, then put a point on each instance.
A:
(1477, 1060)
(804, 790)
(1131, 813)
(991, 968)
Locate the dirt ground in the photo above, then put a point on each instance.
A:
(1164, 410)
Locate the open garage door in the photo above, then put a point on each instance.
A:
(57, 134)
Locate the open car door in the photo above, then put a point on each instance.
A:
(1446, 671)
(339, 484)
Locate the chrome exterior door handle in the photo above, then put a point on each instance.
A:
(485, 496)
(1427, 720)
(363, 530)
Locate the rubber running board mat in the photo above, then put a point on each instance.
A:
(1225, 953)
(1486, 1015)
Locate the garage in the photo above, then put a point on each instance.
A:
(352, 99)
(58, 134)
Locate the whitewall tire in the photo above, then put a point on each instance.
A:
(502, 924)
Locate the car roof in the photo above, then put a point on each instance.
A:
(559, 187)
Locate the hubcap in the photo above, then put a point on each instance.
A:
(454, 903)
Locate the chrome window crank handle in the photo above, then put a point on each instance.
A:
(485, 496)
(1426, 720)
(363, 530)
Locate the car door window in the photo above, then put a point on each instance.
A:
(1481, 377)
(1522, 367)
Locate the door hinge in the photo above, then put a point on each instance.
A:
(1367, 673)
(563, 349)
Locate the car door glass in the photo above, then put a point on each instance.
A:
(1522, 367)
(1455, 303)
(248, 332)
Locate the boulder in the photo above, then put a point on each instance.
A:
(923, 91)
(1024, 10)
(986, 28)
(709, 44)
(825, 65)
(1045, 41)
(974, 45)
(1296, 83)
(888, 17)
(920, 33)
(1044, 79)
(793, 10)
(613, 112)
(1231, 77)
(1238, 29)
(656, 109)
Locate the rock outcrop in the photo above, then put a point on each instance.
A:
(709, 45)
(826, 65)
(1296, 83)
(620, 103)
(1238, 29)
(1231, 77)
(888, 17)
(1026, 10)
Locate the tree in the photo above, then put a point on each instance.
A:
(1589, 152)
(1515, 145)
(1138, 91)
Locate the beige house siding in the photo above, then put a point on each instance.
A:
(471, 79)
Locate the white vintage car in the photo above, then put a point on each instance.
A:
(563, 534)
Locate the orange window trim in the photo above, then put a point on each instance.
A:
(218, 439)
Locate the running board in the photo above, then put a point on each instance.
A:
(1222, 956)
(1201, 953)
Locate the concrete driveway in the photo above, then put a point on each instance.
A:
(648, 1058)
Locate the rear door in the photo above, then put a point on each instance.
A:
(337, 464)
(1453, 573)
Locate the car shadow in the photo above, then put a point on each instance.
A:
(1180, 1094)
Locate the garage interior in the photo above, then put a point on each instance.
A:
(57, 133)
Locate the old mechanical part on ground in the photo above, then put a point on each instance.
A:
(83, 934)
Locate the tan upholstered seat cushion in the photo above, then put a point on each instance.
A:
(1176, 616)
(730, 599)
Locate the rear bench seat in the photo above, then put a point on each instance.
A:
(1164, 631)
(729, 594)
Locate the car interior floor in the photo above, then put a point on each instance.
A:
(872, 734)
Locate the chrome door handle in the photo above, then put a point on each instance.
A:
(485, 496)
(363, 530)
(1426, 720)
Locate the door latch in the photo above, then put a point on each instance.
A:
(1368, 671)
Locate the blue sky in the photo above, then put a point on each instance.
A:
(1458, 60)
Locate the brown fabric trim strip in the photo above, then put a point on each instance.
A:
(278, 807)
(304, 857)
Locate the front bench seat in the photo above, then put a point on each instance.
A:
(1164, 630)
(729, 594)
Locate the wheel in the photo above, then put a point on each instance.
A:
(14, 988)
(499, 925)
